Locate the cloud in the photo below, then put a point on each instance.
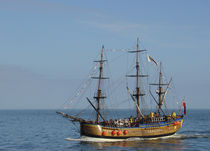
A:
(115, 27)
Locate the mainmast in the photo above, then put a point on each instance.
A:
(160, 90)
(138, 84)
(137, 77)
(99, 95)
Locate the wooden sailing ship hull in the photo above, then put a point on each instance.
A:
(150, 130)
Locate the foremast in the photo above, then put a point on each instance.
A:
(99, 94)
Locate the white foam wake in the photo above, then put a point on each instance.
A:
(175, 136)
(94, 139)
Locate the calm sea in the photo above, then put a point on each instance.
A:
(43, 130)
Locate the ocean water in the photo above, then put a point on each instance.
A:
(44, 130)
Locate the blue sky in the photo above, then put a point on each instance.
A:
(47, 46)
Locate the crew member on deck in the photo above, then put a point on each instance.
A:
(131, 120)
(125, 122)
(155, 114)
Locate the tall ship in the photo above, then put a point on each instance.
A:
(158, 122)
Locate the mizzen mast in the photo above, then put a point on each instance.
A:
(160, 92)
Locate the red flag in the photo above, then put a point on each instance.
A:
(184, 105)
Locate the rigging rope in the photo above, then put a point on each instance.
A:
(81, 89)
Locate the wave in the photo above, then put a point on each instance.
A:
(195, 132)
(189, 136)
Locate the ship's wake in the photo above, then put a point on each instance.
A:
(191, 136)
(175, 136)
